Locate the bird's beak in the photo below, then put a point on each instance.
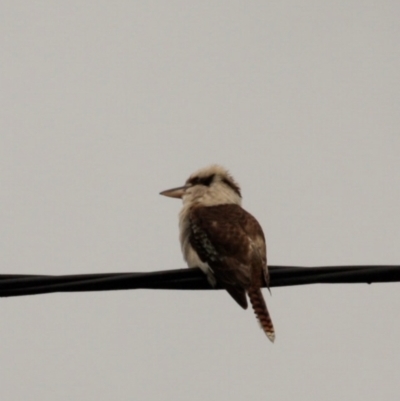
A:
(175, 192)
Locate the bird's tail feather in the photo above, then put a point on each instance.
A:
(261, 311)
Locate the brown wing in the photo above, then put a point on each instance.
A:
(257, 239)
(228, 239)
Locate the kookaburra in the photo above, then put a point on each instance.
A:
(222, 239)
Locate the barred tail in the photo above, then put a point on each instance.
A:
(261, 311)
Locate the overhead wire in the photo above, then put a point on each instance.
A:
(12, 285)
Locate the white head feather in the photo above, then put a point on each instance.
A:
(210, 186)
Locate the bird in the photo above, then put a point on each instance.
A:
(221, 238)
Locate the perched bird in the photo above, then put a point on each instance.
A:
(222, 239)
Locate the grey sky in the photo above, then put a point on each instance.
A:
(105, 104)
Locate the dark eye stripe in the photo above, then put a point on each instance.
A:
(202, 180)
(207, 180)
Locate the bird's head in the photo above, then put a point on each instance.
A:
(209, 186)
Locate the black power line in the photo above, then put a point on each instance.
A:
(189, 279)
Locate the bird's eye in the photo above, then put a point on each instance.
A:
(206, 181)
